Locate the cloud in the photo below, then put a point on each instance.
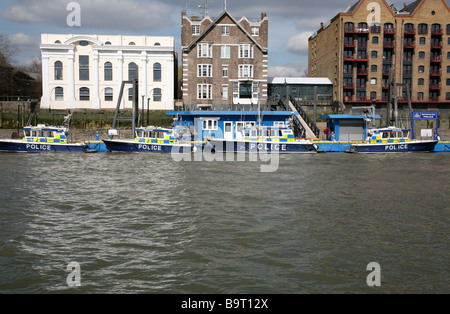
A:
(131, 15)
(298, 44)
(293, 69)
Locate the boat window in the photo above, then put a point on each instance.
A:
(253, 132)
(405, 134)
(27, 133)
(385, 134)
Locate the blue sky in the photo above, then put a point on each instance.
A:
(291, 22)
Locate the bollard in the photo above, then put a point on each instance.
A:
(97, 135)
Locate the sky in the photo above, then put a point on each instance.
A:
(291, 22)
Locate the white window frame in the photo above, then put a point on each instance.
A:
(195, 30)
(204, 50)
(245, 70)
(225, 92)
(255, 30)
(225, 30)
(246, 51)
(204, 91)
(204, 70)
(225, 71)
(210, 124)
(225, 51)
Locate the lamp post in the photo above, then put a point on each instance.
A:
(18, 116)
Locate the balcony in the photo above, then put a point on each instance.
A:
(362, 45)
(349, 29)
(435, 72)
(358, 99)
(348, 71)
(388, 44)
(422, 31)
(437, 31)
(385, 72)
(435, 86)
(387, 58)
(385, 86)
(409, 45)
(436, 59)
(356, 58)
(348, 85)
(363, 72)
(410, 31)
(407, 59)
(375, 29)
(361, 85)
(407, 72)
(349, 43)
(433, 98)
(436, 45)
(362, 30)
(389, 30)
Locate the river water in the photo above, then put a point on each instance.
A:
(144, 223)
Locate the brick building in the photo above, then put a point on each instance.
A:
(357, 49)
(224, 60)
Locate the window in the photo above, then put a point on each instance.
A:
(225, 71)
(195, 29)
(204, 51)
(224, 92)
(375, 40)
(130, 94)
(108, 43)
(373, 68)
(421, 69)
(422, 40)
(245, 70)
(204, 70)
(84, 68)
(374, 54)
(245, 51)
(58, 70)
(108, 71)
(448, 82)
(59, 93)
(225, 31)
(373, 95)
(225, 51)
(448, 69)
(204, 91)
(157, 72)
(420, 82)
(108, 94)
(419, 96)
(83, 43)
(157, 94)
(421, 54)
(132, 71)
(255, 30)
(373, 81)
(84, 94)
(131, 43)
(245, 90)
(423, 29)
(210, 124)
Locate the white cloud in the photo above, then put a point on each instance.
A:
(298, 44)
(293, 69)
(102, 14)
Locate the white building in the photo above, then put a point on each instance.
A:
(86, 71)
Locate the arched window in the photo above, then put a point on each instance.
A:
(132, 43)
(84, 94)
(59, 93)
(157, 95)
(419, 96)
(58, 70)
(349, 27)
(108, 94)
(57, 42)
(423, 28)
(157, 44)
(157, 72)
(132, 67)
(108, 71)
(108, 43)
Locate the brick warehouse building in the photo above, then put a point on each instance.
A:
(358, 47)
(224, 60)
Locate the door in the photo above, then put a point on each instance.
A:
(228, 130)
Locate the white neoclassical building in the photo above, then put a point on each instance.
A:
(86, 71)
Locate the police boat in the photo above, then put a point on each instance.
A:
(391, 140)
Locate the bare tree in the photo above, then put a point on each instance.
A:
(7, 49)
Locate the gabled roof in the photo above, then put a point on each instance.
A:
(410, 8)
(214, 23)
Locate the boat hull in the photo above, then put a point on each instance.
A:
(136, 147)
(17, 146)
(413, 146)
(237, 146)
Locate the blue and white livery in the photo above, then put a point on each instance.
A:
(42, 138)
(391, 140)
(153, 140)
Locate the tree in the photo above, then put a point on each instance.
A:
(7, 49)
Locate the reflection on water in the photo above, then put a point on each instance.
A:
(144, 223)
